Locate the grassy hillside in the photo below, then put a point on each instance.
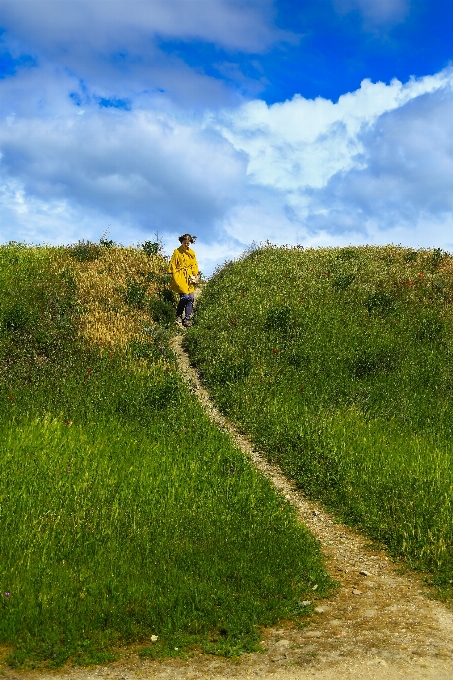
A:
(125, 514)
(339, 364)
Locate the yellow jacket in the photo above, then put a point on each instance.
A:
(182, 264)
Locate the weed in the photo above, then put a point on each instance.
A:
(85, 251)
(121, 518)
(356, 403)
(162, 311)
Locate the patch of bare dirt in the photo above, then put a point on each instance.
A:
(380, 624)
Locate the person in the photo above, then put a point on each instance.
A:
(184, 270)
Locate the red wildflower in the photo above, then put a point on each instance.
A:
(11, 398)
(275, 351)
(89, 370)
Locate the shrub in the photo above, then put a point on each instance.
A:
(135, 293)
(85, 251)
(162, 312)
(380, 302)
(15, 318)
(278, 319)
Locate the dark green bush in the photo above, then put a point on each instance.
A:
(152, 247)
(135, 293)
(342, 281)
(15, 318)
(278, 319)
(380, 302)
(370, 361)
(431, 328)
(162, 312)
(410, 256)
(168, 295)
(85, 251)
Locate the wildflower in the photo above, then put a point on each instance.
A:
(302, 389)
(420, 274)
(69, 422)
(275, 351)
(89, 370)
(410, 283)
(7, 594)
(154, 638)
(232, 469)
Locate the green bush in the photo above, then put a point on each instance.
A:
(15, 318)
(85, 251)
(162, 312)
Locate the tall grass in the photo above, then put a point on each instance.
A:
(338, 363)
(125, 514)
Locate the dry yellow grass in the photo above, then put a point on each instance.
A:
(106, 319)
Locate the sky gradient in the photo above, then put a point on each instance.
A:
(319, 122)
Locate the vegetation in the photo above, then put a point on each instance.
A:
(125, 513)
(338, 364)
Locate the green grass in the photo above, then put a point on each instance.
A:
(125, 513)
(338, 364)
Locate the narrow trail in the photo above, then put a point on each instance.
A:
(380, 624)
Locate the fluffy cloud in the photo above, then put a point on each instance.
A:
(376, 12)
(140, 167)
(54, 26)
(118, 48)
(302, 143)
(375, 165)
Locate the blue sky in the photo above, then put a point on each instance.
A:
(321, 122)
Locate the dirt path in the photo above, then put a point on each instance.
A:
(381, 624)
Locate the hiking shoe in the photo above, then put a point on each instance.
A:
(186, 324)
(178, 321)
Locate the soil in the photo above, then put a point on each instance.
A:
(381, 623)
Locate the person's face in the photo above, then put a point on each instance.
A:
(186, 244)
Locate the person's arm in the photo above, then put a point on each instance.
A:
(173, 264)
(177, 270)
(195, 266)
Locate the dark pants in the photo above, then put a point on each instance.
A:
(185, 303)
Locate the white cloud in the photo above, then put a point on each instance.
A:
(378, 160)
(60, 25)
(145, 166)
(117, 44)
(302, 143)
(376, 12)
(375, 167)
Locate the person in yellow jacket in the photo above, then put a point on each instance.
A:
(184, 270)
